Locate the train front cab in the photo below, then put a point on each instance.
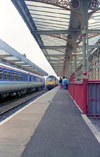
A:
(50, 82)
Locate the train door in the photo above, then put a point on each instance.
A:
(1, 79)
(7, 80)
(28, 80)
(32, 80)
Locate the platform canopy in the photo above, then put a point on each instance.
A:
(10, 56)
(62, 30)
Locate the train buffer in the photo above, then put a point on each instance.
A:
(51, 126)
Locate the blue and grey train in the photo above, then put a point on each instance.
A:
(16, 80)
(51, 82)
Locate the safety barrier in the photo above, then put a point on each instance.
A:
(78, 91)
(93, 98)
(86, 94)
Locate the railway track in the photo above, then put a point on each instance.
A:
(9, 106)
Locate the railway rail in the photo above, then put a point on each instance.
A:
(8, 107)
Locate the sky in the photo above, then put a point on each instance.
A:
(15, 33)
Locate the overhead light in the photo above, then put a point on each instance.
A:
(91, 19)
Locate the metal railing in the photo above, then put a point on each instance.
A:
(93, 98)
(77, 90)
(86, 94)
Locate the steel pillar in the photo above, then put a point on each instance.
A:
(74, 63)
(70, 63)
(84, 30)
(84, 52)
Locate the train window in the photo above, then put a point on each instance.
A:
(14, 76)
(50, 78)
(38, 79)
(1, 74)
(34, 79)
(7, 75)
(29, 78)
(41, 79)
(25, 77)
(20, 77)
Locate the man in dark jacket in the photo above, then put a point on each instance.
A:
(60, 82)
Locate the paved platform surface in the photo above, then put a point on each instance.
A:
(51, 126)
(16, 131)
(62, 132)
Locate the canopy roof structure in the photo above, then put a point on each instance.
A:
(10, 56)
(62, 30)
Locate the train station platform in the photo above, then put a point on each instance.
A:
(51, 126)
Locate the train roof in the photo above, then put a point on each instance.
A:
(51, 76)
(17, 69)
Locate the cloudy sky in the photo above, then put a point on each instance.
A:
(15, 33)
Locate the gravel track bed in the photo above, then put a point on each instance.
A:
(7, 110)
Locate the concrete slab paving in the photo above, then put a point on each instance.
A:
(62, 132)
(16, 132)
(11, 151)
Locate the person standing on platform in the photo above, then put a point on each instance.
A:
(63, 82)
(66, 83)
(60, 83)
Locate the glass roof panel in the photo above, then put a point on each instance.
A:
(11, 58)
(96, 17)
(18, 62)
(2, 52)
(46, 15)
(91, 40)
(54, 52)
(49, 40)
(50, 17)
(38, 4)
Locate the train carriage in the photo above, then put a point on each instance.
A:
(13, 80)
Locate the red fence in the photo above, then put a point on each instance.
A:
(78, 91)
(93, 98)
(86, 94)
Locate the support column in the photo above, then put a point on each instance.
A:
(70, 63)
(84, 30)
(74, 63)
(81, 72)
(84, 52)
(99, 66)
(97, 69)
(85, 95)
(68, 71)
(94, 68)
(70, 68)
(74, 52)
(90, 69)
